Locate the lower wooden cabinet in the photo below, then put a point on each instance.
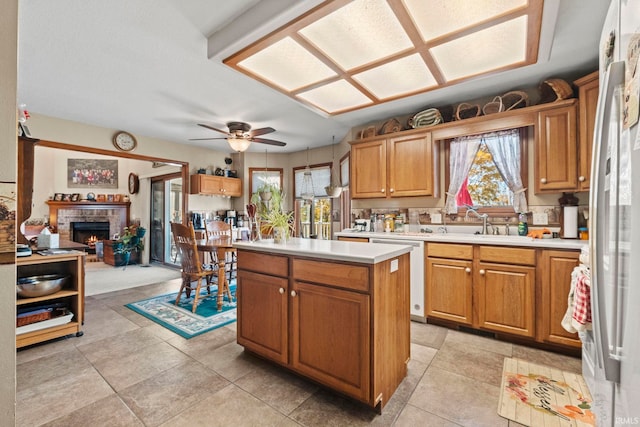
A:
(508, 290)
(333, 349)
(264, 328)
(319, 317)
(449, 291)
(505, 281)
(555, 271)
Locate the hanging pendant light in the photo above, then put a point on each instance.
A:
(333, 189)
(307, 192)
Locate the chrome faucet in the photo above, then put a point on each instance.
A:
(483, 217)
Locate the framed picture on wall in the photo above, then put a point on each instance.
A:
(92, 173)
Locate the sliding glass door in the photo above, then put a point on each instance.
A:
(166, 207)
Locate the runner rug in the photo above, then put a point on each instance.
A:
(180, 319)
(536, 395)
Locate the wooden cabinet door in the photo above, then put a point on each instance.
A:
(449, 290)
(506, 298)
(556, 150)
(412, 171)
(588, 91)
(555, 282)
(262, 314)
(369, 170)
(231, 187)
(333, 349)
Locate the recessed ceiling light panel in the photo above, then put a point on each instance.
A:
(358, 33)
(407, 75)
(287, 64)
(335, 97)
(496, 47)
(435, 18)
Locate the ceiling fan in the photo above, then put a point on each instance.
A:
(240, 135)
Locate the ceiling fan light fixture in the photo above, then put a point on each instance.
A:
(239, 144)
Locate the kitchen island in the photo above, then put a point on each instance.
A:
(335, 312)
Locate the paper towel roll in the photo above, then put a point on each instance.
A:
(570, 225)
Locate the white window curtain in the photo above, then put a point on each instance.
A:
(505, 149)
(462, 154)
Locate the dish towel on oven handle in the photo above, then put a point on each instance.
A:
(578, 315)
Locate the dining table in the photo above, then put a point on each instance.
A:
(221, 245)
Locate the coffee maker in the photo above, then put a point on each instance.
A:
(230, 217)
(196, 220)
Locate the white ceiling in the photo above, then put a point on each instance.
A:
(154, 67)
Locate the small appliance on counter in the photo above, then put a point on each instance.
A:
(230, 217)
(197, 220)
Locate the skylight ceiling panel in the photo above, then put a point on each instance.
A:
(495, 47)
(436, 18)
(288, 65)
(406, 75)
(360, 33)
(336, 96)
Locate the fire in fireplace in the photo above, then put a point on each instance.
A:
(89, 233)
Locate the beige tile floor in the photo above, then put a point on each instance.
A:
(128, 371)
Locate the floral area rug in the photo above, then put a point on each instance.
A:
(180, 319)
(536, 395)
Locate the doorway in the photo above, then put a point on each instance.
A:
(166, 207)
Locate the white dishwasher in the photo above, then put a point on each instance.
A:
(417, 274)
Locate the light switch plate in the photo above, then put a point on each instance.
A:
(540, 218)
(436, 218)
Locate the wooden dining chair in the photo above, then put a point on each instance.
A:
(192, 270)
(221, 228)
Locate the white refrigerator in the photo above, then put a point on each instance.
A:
(611, 350)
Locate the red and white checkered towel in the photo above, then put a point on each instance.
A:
(578, 315)
(582, 302)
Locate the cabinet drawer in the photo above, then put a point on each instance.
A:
(354, 277)
(446, 250)
(274, 265)
(504, 255)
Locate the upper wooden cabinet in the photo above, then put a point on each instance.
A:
(400, 166)
(588, 91)
(556, 159)
(214, 185)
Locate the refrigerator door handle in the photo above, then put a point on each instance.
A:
(614, 77)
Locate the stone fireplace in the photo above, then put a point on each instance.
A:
(69, 218)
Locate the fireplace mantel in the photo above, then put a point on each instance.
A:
(62, 213)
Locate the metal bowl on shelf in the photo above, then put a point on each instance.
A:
(39, 286)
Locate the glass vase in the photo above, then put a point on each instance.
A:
(254, 230)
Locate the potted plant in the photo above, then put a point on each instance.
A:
(130, 240)
(274, 220)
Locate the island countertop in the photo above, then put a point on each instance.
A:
(371, 253)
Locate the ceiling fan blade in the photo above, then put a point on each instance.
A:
(212, 128)
(204, 139)
(261, 131)
(269, 141)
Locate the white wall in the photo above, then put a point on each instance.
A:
(8, 71)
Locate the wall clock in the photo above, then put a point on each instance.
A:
(134, 183)
(124, 141)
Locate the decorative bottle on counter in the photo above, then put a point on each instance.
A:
(523, 228)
